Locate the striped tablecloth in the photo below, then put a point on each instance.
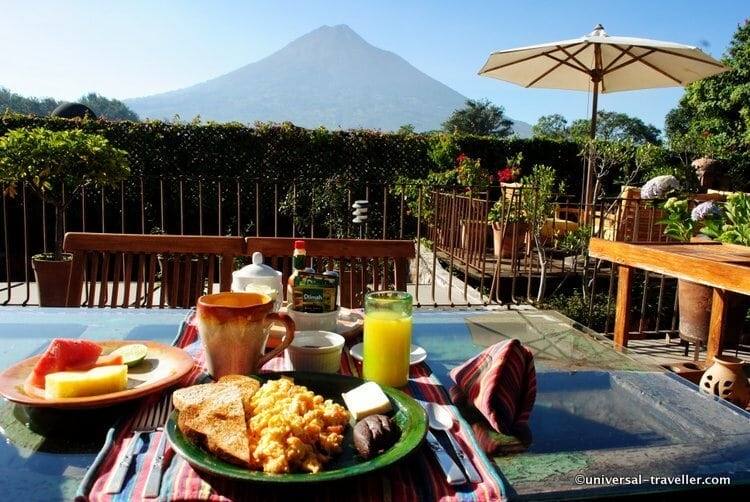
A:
(416, 478)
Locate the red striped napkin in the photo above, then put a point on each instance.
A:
(418, 478)
(500, 383)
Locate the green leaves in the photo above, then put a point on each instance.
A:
(734, 227)
(51, 161)
(678, 224)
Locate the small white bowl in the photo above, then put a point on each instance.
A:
(316, 351)
(308, 321)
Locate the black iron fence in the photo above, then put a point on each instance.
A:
(463, 259)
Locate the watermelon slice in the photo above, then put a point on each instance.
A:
(106, 360)
(63, 354)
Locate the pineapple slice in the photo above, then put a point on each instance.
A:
(100, 380)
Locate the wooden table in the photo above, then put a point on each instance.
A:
(724, 267)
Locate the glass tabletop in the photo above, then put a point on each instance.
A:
(597, 411)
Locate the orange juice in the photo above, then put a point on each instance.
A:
(387, 344)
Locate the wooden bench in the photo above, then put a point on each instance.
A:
(128, 270)
(362, 264)
(183, 266)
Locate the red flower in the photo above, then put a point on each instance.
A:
(461, 158)
(506, 175)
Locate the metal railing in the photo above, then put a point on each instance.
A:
(457, 263)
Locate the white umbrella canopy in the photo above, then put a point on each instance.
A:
(616, 63)
(600, 63)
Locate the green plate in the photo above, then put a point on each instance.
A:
(407, 413)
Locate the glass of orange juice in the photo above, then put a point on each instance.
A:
(387, 337)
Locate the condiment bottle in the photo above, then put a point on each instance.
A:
(298, 264)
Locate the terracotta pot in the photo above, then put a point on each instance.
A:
(695, 311)
(503, 240)
(471, 235)
(52, 279)
(726, 379)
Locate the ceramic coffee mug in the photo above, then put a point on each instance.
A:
(233, 328)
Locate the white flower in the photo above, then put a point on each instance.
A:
(705, 210)
(659, 187)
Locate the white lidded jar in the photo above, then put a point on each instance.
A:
(259, 278)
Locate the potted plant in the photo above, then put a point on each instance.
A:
(695, 300)
(52, 163)
(476, 181)
(509, 227)
(508, 175)
(537, 206)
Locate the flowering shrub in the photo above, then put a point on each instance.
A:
(705, 211)
(512, 169)
(681, 223)
(470, 173)
(733, 224)
(660, 187)
(506, 211)
(508, 174)
(678, 224)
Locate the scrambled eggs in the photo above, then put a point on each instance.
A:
(291, 429)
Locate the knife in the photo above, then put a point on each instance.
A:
(466, 462)
(452, 471)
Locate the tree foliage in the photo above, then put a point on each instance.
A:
(713, 116)
(610, 126)
(479, 117)
(57, 162)
(551, 127)
(615, 126)
(111, 109)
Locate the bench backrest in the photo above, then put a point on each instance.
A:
(131, 270)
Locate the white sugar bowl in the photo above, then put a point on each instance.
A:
(259, 278)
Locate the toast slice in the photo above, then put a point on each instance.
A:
(213, 415)
(247, 387)
(194, 395)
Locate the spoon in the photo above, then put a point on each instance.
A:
(441, 419)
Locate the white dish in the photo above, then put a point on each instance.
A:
(416, 356)
(316, 351)
(308, 321)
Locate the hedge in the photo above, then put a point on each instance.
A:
(285, 152)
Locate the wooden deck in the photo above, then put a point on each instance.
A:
(478, 268)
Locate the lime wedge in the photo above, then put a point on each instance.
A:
(132, 354)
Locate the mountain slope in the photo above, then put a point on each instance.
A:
(330, 77)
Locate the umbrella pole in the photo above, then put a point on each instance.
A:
(589, 188)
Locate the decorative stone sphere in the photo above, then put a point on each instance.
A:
(73, 110)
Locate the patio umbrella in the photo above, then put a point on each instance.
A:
(600, 63)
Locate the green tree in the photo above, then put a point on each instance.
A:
(616, 126)
(479, 117)
(110, 109)
(56, 162)
(714, 113)
(551, 127)
(406, 129)
(28, 106)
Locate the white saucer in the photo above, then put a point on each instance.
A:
(417, 355)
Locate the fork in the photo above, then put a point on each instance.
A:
(150, 419)
(153, 482)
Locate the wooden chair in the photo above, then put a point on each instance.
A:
(180, 267)
(362, 264)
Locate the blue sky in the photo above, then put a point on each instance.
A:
(127, 49)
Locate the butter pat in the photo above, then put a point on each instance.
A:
(365, 400)
(100, 380)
